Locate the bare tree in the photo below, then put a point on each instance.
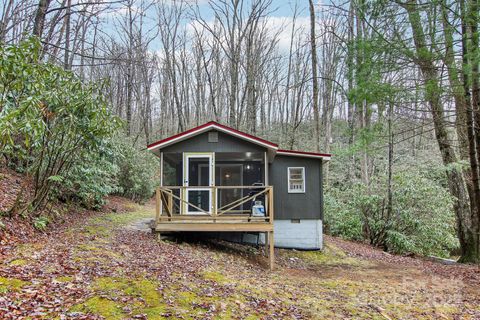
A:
(313, 44)
(40, 17)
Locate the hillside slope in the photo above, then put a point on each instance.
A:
(97, 266)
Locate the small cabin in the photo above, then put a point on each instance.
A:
(218, 179)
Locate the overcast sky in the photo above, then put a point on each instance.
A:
(280, 16)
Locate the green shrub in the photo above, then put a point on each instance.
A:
(40, 223)
(424, 216)
(90, 181)
(50, 121)
(118, 167)
(339, 219)
(421, 220)
(138, 171)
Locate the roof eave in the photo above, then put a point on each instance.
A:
(292, 153)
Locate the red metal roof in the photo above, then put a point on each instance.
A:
(215, 125)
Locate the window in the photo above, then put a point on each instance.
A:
(296, 180)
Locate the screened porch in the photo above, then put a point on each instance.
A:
(214, 187)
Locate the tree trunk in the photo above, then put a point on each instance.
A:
(66, 60)
(40, 17)
(464, 117)
(471, 248)
(456, 183)
(129, 74)
(313, 45)
(350, 104)
(5, 21)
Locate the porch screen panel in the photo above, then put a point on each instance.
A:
(198, 172)
(172, 175)
(199, 198)
(229, 174)
(238, 169)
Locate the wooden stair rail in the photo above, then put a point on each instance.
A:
(184, 201)
(166, 201)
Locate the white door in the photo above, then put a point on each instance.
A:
(198, 176)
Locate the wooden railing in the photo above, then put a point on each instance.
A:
(171, 206)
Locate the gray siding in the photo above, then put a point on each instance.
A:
(288, 206)
(308, 205)
(226, 143)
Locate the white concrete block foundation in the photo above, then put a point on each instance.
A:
(303, 234)
(298, 234)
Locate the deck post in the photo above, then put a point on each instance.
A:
(157, 206)
(265, 160)
(161, 181)
(267, 247)
(270, 205)
(271, 243)
(170, 202)
(214, 201)
(271, 251)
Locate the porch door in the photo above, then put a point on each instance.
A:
(197, 175)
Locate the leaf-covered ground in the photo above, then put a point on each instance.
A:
(100, 267)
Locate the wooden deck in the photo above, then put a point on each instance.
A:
(214, 227)
(171, 215)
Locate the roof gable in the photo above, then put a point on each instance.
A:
(212, 125)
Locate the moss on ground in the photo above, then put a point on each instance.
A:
(11, 284)
(186, 298)
(97, 230)
(28, 249)
(120, 219)
(100, 306)
(142, 288)
(64, 279)
(87, 247)
(142, 293)
(214, 276)
(18, 262)
(346, 287)
(331, 256)
(154, 313)
(92, 252)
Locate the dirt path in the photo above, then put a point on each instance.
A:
(108, 266)
(142, 225)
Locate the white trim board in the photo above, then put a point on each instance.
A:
(185, 176)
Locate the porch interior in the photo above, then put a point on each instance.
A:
(213, 189)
